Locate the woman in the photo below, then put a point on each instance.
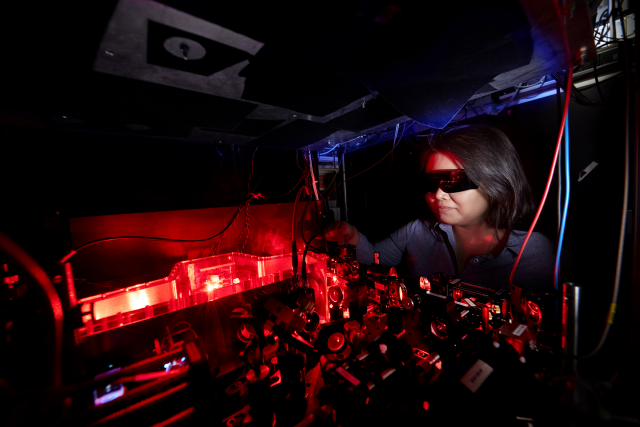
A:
(479, 196)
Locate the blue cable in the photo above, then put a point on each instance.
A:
(330, 150)
(563, 222)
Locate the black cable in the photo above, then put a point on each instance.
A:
(464, 109)
(304, 211)
(576, 95)
(304, 258)
(474, 108)
(302, 224)
(282, 195)
(625, 201)
(97, 285)
(595, 75)
(161, 239)
(214, 247)
(539, 83)
(334, 176)
(164, 239)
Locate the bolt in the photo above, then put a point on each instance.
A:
(184, 48)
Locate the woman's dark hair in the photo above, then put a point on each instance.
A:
(491, 161)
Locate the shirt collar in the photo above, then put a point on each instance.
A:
(516, 238)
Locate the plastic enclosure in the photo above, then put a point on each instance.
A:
(195, 282)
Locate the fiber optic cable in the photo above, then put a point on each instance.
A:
(565, 209)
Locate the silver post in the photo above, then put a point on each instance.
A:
(344, 187)
(570, 313)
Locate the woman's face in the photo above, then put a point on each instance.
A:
(464, 208)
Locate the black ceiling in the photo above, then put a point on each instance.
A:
(285, 74)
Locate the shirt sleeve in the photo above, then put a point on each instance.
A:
(535, 270)
(391, 249)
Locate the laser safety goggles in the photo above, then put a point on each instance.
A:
(450, 181)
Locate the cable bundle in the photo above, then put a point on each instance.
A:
(576, 95)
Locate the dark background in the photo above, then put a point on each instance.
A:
(49, 175)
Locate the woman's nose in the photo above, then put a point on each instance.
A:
(440, 195)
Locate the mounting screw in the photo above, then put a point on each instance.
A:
(184, 48)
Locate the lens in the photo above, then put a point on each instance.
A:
(451, 181)
(335, 341)
(335, 294)
(533, 313)
(439, 329)
(402, 291)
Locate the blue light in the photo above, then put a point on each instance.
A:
(565, 209)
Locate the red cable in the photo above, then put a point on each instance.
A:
(553, 167)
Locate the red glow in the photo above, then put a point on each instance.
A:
(516, 344)
(335, 341)
(425, 405)
(425, 284)
(190, 283)
(533, 312)
(335, 294)
(565, 314)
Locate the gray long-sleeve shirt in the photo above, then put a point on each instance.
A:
(424, 254)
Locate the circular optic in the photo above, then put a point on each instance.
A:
(457, 294)
(246, 332)
(135, 126)
(408, 304)
(439, 330)
(184, 48)
(533, 313)
(402, 291)
(335, 294)
(335, 341)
